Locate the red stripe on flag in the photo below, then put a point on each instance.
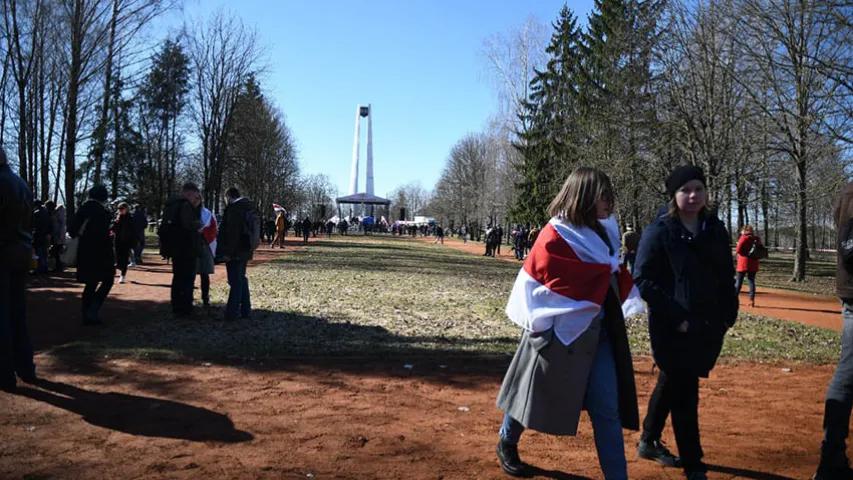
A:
(554, 264)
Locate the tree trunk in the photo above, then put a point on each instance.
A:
(73, 92)
(108, 70)
(801, 253)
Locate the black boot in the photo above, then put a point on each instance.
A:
(510, 461)
(657, 452)
(837, 468)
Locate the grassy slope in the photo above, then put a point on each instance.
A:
(389, 295)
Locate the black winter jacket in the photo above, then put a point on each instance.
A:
(95, 255)
(16, 218)
(687, 278)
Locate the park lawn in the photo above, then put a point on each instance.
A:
(381, 296)
(776, 271)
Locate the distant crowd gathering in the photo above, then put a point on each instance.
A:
(580, 279)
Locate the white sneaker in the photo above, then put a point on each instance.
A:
(131, 264)
(121, 279)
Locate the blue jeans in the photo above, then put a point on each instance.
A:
(238, 296)
(750, 277)
(41, 251)
(630, 260)
(839, 396)
(602, 404)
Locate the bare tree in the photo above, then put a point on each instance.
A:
(787, 43)
(223, 52)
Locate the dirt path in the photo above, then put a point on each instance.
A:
(357, 418)
(815, 310)
(53, 302)
(362, 419)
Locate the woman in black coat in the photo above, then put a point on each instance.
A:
(686, 275)
(125, 239)
(95, 258)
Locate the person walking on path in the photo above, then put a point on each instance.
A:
(140, 224)
(439, 235)
(630, 242)
(234, 245)
(747, 266)
(96, 266)
(834, 463)
(307, 225)
(179, 240)
(125, 240)
(686, 275)
(574, 352)
(206, 265)
(60, 229)
(280, 229)
(16, 207)
(499, 233)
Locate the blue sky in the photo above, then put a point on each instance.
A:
(416, 61)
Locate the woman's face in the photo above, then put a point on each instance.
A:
(123, 211)
(691, 197)
(604, 206)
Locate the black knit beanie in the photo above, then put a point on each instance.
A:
(682, 175)
(99, 193)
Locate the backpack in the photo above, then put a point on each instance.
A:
(758, 251)
(170, 229)
(252, 229)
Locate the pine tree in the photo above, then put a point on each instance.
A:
(548, 147)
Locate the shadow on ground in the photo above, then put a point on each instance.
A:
(135, 415)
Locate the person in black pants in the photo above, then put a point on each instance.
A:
(685, 273)
(180, 236)
(125, 239)
(16, 206)
(95, 257)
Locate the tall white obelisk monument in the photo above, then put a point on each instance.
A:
(360, 112)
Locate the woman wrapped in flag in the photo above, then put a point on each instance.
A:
(571, 298)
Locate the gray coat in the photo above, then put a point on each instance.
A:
(545, 385)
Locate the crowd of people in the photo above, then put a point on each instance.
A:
(571, 299)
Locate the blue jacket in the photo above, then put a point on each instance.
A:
(687, 278)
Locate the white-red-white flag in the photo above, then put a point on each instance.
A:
(565, 279)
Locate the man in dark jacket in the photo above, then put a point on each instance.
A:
(180, 240)
(839, 397)
(16, 206)
(95, 256)
(307, 225)
(234, 245)
(630, 243)
(140, 223)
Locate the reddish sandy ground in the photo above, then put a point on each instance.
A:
(346, 417)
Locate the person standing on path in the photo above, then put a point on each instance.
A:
(206, 265)
(140, 223)
(834, 463)
(16, 207)
(685, 273)
(499, 232)
(307, 225)
(235, 246)
(280, 229)
(125, 240)
(96, 266)
(574, 352)
(179, 240)
(747, 266)
(630, 242)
